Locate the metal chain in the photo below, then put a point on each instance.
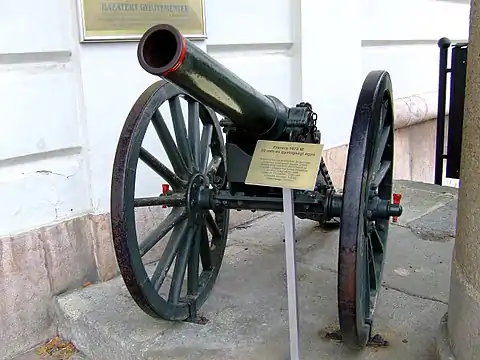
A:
(327, 180)
(324, 181)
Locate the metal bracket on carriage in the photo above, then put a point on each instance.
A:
(195, 317)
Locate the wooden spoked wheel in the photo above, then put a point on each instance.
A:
(188, 242)
(363, 234)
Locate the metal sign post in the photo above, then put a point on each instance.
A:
(289, 166)
(289, 216)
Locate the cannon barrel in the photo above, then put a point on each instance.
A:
(165, 52)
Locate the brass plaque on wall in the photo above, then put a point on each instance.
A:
(123, 20)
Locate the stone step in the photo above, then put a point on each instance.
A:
(247, 310)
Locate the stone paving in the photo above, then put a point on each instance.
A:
(247, 311)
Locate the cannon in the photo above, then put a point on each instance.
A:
(209, 160)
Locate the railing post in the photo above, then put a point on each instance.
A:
(444, 45)
(458, 71)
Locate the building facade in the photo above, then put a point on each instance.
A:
(63, 104)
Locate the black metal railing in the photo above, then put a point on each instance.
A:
(457, 70)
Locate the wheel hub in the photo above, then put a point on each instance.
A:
(197, 185)
(381, 209)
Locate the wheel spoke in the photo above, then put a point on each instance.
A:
(175, 199)
(213, 227)
(372, 272)
(205, 146)
(193, 265)
(180, 130)
(383, 112)
(380, 175)
(205, 254)
(194, 130)
(168, 255)
(161, 169)
(377, 243)
(181, 267)
(382, 143)
(187, 263)
(171, 149)
(176, 216)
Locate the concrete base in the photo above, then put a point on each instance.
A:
(34, 267)
(247, 310)
(444, 350)
(39, 264)
(464, 325)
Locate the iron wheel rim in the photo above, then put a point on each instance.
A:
(125, 237)
(363, 242)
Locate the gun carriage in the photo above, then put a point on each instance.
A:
(207, 179)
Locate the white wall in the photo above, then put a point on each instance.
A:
(401, 37)
(342, 41)
(331, 64)
(237, 37)
(63, 104)
(43, 162)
